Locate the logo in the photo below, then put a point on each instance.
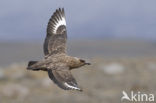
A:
(137, 97)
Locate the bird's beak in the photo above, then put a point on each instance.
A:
(88, 63)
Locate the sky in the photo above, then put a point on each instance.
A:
(27, 19)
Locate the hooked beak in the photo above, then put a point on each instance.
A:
(88, 63)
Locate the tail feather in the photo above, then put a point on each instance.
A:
(35, 66)
(31, 63)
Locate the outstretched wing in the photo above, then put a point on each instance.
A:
(55, 41)
(63, 78)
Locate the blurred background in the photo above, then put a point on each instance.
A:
(117, 37)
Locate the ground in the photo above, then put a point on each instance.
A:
(102, 82)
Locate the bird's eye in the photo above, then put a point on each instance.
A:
(82, 60)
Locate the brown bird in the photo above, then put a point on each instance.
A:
(56, 62)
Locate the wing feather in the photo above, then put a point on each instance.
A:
(55, 41)
(63, 78)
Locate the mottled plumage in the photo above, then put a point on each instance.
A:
(56, 62)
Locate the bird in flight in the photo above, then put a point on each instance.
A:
(56, 62)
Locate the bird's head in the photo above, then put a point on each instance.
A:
(83, 62)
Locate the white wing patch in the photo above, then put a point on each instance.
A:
(72, 87)
(60, 22)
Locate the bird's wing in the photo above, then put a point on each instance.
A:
(63, 78)
(55, 41)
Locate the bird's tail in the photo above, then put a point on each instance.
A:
(30, 63)
(36, 65)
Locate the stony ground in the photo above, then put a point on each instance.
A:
(102, 82)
